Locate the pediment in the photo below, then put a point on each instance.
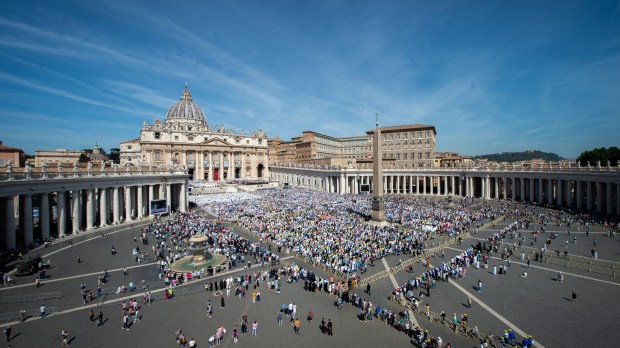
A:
(215, 141)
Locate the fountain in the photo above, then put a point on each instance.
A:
(200, 258)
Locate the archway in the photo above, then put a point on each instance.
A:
(259, 170)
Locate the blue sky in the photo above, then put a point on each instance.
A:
(491, 76)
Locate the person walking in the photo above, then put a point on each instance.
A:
(222, 302)
(42, 310)
(279, 318)
(64, 334)
(574, 296)
(330, 328)
(254, 328)
(235, 335)
(7, 332)
(368, 288)
(296, 325)
(479, 286)
(468, 302)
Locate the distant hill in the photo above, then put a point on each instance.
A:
(520, 156)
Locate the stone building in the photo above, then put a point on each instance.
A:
(405, 146)
(9, 153)
(409, 146)
(52, 157)
(186, 140)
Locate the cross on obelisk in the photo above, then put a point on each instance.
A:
(377, 176)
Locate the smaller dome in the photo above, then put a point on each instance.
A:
(186, 110)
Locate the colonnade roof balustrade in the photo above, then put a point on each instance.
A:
(21, 180)
(545, 168)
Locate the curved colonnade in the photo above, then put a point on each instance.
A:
(40, 205)
(592, 189)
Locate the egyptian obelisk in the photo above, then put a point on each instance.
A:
(377, 177)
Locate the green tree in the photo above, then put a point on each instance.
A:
(611, 154)
(83, 158)
(115, 155)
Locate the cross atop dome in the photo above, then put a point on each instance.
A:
(186, 95)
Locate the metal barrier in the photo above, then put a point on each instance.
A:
(31, 298)
(457, 328)
(12, 316)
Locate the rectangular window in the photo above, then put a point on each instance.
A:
(190, 138)
(157, 135)
(176, 137)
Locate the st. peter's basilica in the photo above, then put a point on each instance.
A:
(185, 139)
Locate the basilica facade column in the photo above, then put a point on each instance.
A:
(210, 178)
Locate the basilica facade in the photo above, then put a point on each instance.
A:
(186, 140)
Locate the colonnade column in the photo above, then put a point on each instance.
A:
(103, 207)
(61, 211)
(540, 191)
(424, 185)
(183, 198)
(522, 189)
(77, 209)
(550, 191)
(559, 192)
(609, 194)
(90, 209)
(453, 190)
(417, 185)
(116, 205)
(496, 187)
(44, 215)
(569, 198)
(10, 240)
(25, 206)
(599, 197)
(530, 182)
(128, 215)
(618, 198)
(578, 198)
(140, 195)
(589, 195)
(169, 198)
(504, 187)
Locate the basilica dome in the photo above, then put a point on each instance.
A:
(185, 110)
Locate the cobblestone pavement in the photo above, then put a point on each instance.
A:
(537, 304)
